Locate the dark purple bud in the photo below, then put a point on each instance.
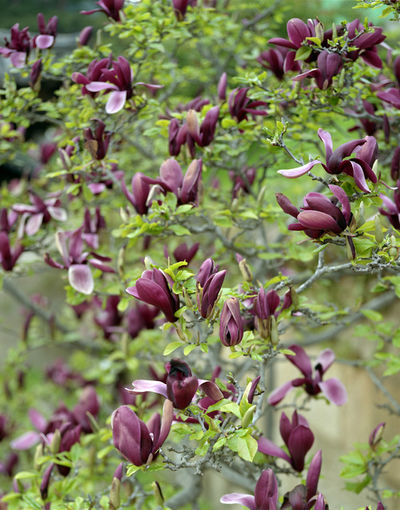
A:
(266, 491)
(207, 268)
(395, 165)
(85, 35)
(231, 323)
(44, 486)
(190, 185)
(181, 385)
(286, 205)
(184, 253)
(119, 471)
(140, 193)
(376, 435)
(222, 87)
(207, 128)
(208, 295)
(35, 73)
(253, 388)
(153, 288)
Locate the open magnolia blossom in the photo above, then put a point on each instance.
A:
(311, 381)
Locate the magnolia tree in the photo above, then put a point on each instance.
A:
(210, 196)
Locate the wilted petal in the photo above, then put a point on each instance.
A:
(116, 101)
(297, 172)
(81, 279)
(334, 391)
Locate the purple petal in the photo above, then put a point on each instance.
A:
(25, 441)
(33, 224)
(211, 389)
(269, 448)
(325, 359)
(280, 393)
(313, 475)
(327, 139)
(44, 41)
(37, 420)
(81, 279)
(300, 441)
(297, 172)
(116, 101)
(340, 194)
(334, 391)
(18, 58)
(144, 385)
(391, 206)
(300, 360)
(235, 498)
(318, 220)
(359, 177)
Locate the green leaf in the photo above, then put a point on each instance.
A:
(132, 470)
(188, 349)
(23, 475)
(247, 447)
(303, 53)
(179, 230)
(372, 315)
(171, 348)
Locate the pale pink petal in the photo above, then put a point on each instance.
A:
(235, 498)
(144, 385)
(44, 41)
(25, 441)
(57, 213)
(334, 391)
(18, 58)
(327, 139)
(280, 393)
(116, 101)
(37, 420)
(269, 448)
(325, 359)
(298, 172)
(359, 177)
(33, 224)
(97, 86)
(81, 279)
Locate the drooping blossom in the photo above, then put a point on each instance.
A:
(97, 141)
(19, 47)
(47, 32)
(180, 386)
(154, 288)
(111, 8)
(359, 167)
(139, 443)
(391, 207)
(240, 106)
(70, 246)
(231, 324)
(312, 380)
(319, 214)
(298, 438)
(265, 494)
(40, 212)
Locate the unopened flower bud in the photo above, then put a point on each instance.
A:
(192, 123)
(55, 442)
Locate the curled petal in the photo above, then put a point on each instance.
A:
(359, 177)
(235, 498)
(144, 385)
(327, 140)
(340, 194)
(298, 172)
(334, 391)
(97, 86)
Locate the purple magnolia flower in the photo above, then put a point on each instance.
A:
(319, 215)
(359, 167)
(185, 253)
(297, 437)
(267, 305)
(118, 80)
(154, 288)
(180, 7)
(240, 105)
(180, 386)
(9, 255)
(111, 8)
(140, 193)
(93, 74)
(70, 246)
(365, 42)
(278, 61)
(7, 467)
(208, 288)
(265, 494)
(40, 212)
(392, 207)
(47, 33)
(139, 443)
(91, 227)
(243, 181)
(312, 379)
(97, 142)
(391, 96)
(329, 65)
(8, 218)
(207, 268)
(231, 323)
(191, 133)
(185, 187)
(19, 47)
